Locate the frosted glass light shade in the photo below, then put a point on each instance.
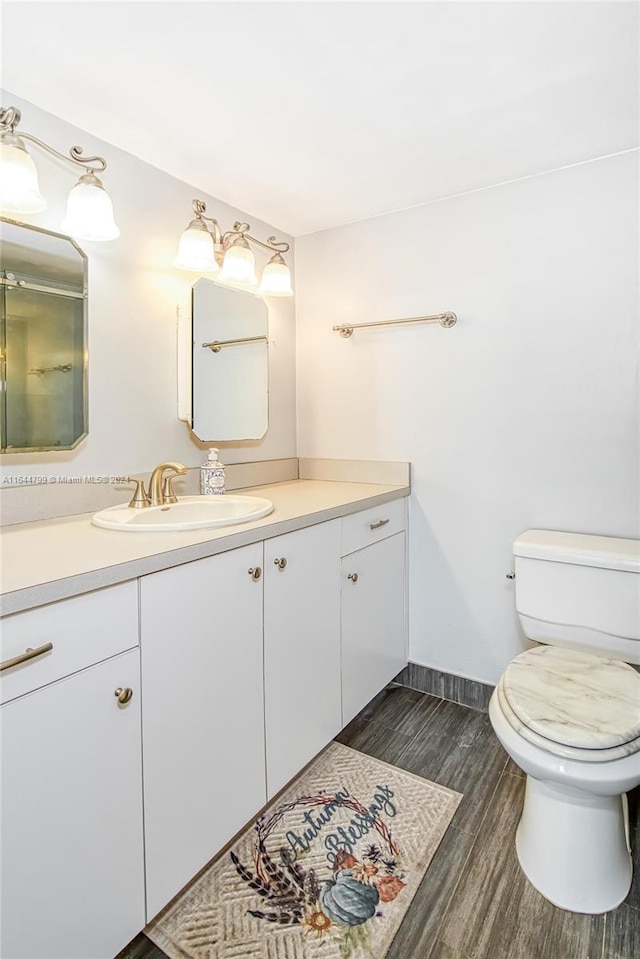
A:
(195, 250)
(239, 266)
(276, 278)
(19, 191)
(90, 211)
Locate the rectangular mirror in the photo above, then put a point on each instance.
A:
(230, 364)
(43, 338)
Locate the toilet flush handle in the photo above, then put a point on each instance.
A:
(511, 574)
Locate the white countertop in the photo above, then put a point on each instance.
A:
(50, 560)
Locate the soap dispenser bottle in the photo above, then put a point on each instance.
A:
(212, 475)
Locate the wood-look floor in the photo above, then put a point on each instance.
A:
(474, 902)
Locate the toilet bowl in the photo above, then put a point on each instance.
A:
(573, 837)
(568, 714)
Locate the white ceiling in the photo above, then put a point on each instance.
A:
(310, 115)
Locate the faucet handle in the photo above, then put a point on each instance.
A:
(139, 499)
(168, 492)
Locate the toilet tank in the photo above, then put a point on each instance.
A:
(579, 591)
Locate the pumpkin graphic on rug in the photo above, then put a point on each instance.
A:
(359, 878)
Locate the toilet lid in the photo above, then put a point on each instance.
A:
(574, 698)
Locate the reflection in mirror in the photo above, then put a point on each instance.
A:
(43, 329)
(230, 366)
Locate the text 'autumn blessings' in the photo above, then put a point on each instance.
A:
(345, 837)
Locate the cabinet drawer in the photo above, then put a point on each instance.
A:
(371, 525)
(83, 630)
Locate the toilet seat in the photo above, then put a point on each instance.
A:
(560, 749)
(573, 704)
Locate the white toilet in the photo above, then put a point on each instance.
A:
(568, 714)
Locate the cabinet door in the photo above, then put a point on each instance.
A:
(203, 718)
(72, 850)
(373, 621)
(301, 648)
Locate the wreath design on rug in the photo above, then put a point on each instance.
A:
(341, 898)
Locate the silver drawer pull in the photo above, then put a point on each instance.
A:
(26, 656)
(280, 563)
(353, 577)
(381, 522)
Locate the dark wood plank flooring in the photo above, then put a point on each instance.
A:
(474, 902)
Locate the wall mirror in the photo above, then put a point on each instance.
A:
(43, 340)
(229, 363)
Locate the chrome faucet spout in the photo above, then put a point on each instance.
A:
(156, 483)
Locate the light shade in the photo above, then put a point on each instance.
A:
(276, 278)
(239, 266)
(195, 250)
(19, 191)
(89, 211)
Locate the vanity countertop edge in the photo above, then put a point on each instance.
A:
(50, 560)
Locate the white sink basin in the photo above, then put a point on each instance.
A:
(190, 512)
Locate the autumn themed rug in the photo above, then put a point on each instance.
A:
(327, 872)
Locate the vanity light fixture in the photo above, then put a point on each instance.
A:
(89, 209)
(206, 249)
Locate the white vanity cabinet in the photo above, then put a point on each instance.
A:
(71, 821)
(232, 672)
(301, 648)
(203, 715)
(374, 645)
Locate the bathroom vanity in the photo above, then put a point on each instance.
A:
(190, 677)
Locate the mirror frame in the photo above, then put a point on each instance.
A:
(85, 336)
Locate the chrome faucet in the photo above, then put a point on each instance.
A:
(160, 488)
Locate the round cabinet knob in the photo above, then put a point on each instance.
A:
(123, 694)
(280, 563)
(511, 574)
(255, 573)
(353, 577)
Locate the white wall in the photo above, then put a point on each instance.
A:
(133, 294)
(523, 415)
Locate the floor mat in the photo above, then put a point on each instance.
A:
(327, 872)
